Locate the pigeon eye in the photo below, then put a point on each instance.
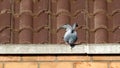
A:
(76, 25)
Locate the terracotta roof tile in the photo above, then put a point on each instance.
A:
(25, 25)
(5, 22)
(37, 21)
(41, 22)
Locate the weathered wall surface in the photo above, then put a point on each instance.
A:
(60, 61)
(45, 56)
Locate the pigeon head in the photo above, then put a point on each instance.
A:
(74, 26)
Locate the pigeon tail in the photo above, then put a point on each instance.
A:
(72, 46)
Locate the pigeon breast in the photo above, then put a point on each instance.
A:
(70, 36)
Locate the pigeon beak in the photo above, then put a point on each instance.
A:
(62, 27)
(59, 28)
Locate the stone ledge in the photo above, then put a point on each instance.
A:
(59, 49)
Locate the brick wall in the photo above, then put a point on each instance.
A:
(60, 61)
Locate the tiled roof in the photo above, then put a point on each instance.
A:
(37, 21)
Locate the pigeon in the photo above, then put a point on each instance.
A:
(70, 36)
